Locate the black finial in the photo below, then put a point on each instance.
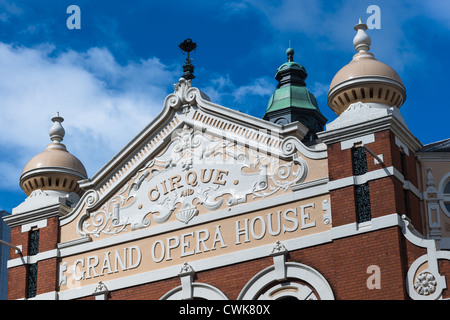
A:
(188, 69)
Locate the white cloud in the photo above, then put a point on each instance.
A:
(328, 26)
(319, 89)
(223, 90)
(104, 104)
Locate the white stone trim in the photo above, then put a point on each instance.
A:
(33, 259)
(348, 144)
(180, 108)
(401, 145)
(83, 245)
(101, 292)
(355, 180)
(52, 295)
(252, 290)
(278, 292)
(38, 224)
(356, 228)
(190, 290)
(199, 290)
(374, 175)
(432, 256)
(236, 257)
(440, 193)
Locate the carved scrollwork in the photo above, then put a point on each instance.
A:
(283, 177)
(183, 94)
(289, 146)
(91, 198)
(195, 170)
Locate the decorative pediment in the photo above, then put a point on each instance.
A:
(196, 172)
(195, 157)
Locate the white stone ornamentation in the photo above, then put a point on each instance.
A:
(195, 170)
(425, 283)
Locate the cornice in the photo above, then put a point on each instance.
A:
(27, 217)
(391, 121)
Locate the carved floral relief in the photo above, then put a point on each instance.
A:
(195, 172)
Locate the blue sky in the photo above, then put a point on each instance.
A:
(110, 78)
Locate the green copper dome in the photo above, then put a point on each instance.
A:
(292, 96)
(292, 101)
(291, 65)
(291, 90)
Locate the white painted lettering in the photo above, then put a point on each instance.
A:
(119, 261)
(134, 262)
(186, 244)
(305, 216)
(201, 240)
(293, 220)
(91, 263)
(163, 251)
(172, 246)
(269, 220)
(262, 231)
(106, 264)
(243, 231)
(77, 277)
(218, 238)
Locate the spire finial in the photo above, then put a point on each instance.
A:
(57, 131)
(187, 46)
(290, 54)
(362, 40)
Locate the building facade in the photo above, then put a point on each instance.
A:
(210, 203)
(5, 235)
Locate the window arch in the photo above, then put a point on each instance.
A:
(198, 291)
(256, 288)
(289, 291)
(444, 194)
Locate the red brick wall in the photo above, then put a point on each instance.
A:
(343, 206)
(444, 269)
(384, 140)
(387, 195)
(17, 276)
(47, 275)
(49, 235)
(47, 269)
(18, 238)
(17, 279)
(339, 162)
(149, 291)
(343, 263)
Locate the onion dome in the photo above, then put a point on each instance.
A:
(365, 79)
(292, 101)
(54, 168)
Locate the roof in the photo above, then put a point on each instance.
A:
(439, 146)
(292, 96)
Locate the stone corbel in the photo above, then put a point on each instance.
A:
(278, 254)
(101, 291)
(186, 275)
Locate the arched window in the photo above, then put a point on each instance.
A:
(446, 196)
(289, 290)
(266, 285)
(198, 291)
